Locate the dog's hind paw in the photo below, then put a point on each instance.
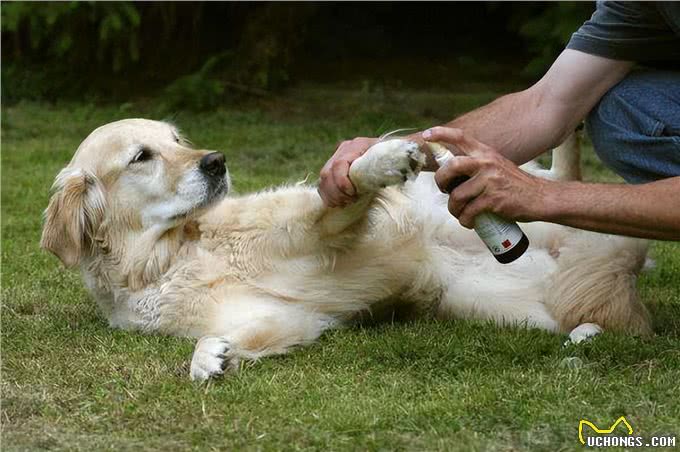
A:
(583, 332)
(212, 358)
(390, 162)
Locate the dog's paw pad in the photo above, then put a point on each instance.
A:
(416, 158)
(212, 358)
(386, 163)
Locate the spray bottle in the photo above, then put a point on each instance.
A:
(504, 238)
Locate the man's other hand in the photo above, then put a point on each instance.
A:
(496, 184)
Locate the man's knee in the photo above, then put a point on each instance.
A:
(635, 128)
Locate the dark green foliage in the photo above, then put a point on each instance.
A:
(122, 50)
(49, 49)
(117, 49)
(269, 39)
(197, 91)
(111, 31)
(103, 33)
(268, 52)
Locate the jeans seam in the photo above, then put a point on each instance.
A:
(658, 128)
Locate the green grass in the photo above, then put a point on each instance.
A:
(71, 383)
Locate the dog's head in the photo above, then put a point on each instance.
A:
(133, 175)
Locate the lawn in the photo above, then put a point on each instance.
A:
(71, 383)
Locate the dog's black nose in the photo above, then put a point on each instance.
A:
(213, 164)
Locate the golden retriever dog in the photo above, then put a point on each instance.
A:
(163, 247)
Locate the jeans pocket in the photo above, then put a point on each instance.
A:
(630, 117)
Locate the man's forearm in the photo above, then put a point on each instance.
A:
(517, 125)
(649, 210)
(520, 125)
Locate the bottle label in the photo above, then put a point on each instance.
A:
(499, 235)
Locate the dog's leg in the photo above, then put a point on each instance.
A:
(566, 161)
(509, 308)
(384, 164)
(269, 328)
(595, 283)
(478, 288)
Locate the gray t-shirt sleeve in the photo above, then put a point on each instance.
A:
(635, 31)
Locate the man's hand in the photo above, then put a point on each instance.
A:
(496, 184)
(335, 188)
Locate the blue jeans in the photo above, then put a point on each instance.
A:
(635, 128)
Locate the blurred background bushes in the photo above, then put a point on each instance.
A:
(198, 54)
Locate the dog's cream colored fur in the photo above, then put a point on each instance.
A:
(255, 275)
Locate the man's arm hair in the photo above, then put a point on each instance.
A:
(525, 124)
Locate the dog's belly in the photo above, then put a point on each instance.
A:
(473, 283)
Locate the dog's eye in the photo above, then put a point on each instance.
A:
(143, 155)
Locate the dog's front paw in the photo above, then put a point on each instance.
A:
(212, 358)
(390, 162)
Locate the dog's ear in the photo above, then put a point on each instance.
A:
(73, 215)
